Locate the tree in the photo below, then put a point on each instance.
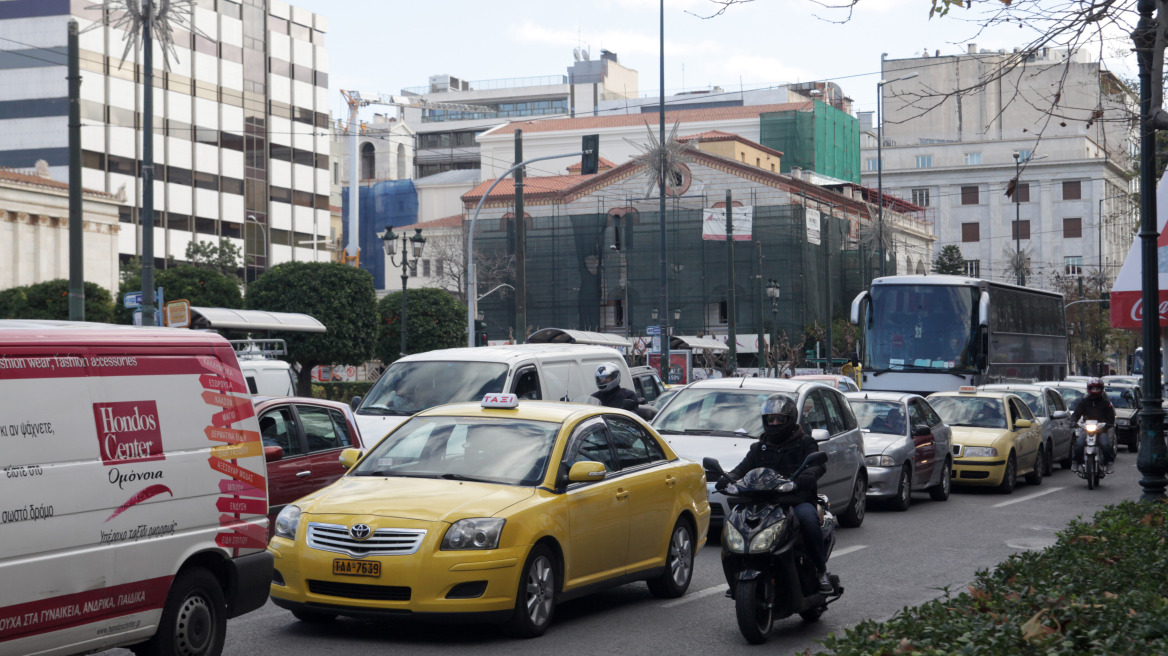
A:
(950, 261)
(341, 297)
(50, 300)
(491, 268)
(224, 257)
(203, 287)
(1091, 339)
(434, 320)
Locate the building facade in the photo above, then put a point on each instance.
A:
(241, 123)
(1059, 121)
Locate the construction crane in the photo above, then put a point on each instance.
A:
(356, 100)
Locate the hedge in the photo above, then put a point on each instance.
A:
(1102, 588)
(343, 392)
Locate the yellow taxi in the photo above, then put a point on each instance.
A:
(995, 436)
(493, 512)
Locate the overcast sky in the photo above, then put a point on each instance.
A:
(386, 45)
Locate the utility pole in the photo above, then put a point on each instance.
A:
(76, 246)
(520, 248)
(762, 345)
(732, 324)
(826, 232)
(661, 172)
(147, 218)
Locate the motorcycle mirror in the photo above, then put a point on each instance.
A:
(713, 469)
(817, 458)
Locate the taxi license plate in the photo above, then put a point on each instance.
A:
(344, 567)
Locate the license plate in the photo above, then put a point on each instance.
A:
(344, 567)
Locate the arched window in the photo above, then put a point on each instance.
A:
(920, 267)
(368, 162)
(403, 172)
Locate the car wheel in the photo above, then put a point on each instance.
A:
(679, 561)
(1010, 477)
(1048, 464)
(903, 491)
(194, 620)
(854, 515)
(313, 616)
(1035, 476)
(940, 491)
(535, 601)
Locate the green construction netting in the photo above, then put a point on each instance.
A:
(825, 140)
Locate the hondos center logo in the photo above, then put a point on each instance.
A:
(128, 431)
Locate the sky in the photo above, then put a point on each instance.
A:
(383, 46)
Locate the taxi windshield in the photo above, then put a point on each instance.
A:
(880, 416)
(970, 411)
(706, 411)
(486, 449)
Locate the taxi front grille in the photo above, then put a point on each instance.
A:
(383, 541)
(359, 591)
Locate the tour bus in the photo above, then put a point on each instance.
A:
(935, 333)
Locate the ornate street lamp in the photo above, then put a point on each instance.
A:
(773, 290)
(410, 246)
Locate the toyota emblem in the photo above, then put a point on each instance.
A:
(360, 531)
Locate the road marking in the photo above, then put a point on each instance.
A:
(1028, 497)
(695, 596)
(847, 550)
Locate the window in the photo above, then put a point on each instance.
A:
(917, 415)
(1025, 155)
(920, 197)
(634, 447)
(814, 415)
(425, 268)
(1072, 190)
(969, 195)
(1020, 229)
(970, 232)
(591, 446)
(368, 161)
(924, 161)
(872, 164)
(1022, 191)
(325, 429)
(278, 429)
(973, 268)
(1073, 264)
(1072, 228)
(972, 159)
(438, 268)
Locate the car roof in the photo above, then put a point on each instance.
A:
(642, 369)
(762, 384)
(272, 400)
(1030, 387)
(553, 411)
(512, 352)
(882, 396)
(980, 394)
(1075, 384)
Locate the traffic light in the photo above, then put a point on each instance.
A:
(590, 160)
(480, 333)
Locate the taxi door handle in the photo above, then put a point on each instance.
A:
(621, 495)
(303, 474)
(670, 481)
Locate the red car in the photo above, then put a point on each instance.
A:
(303, 439)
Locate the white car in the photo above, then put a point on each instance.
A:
(721, 417)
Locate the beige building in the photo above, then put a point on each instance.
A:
(34, 231)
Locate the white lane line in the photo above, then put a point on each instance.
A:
(847, 550)
(1028, 497)
(717, 589)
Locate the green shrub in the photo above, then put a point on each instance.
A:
(1101, 589)
(343, 392)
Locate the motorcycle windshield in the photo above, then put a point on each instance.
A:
(761, 479)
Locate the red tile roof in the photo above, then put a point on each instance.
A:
(624, 120)
(533, 187)
(602, 164)
(33, 180)
(452, 221)
(718, 135)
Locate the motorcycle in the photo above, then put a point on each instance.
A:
(770, 574)
(1093, 469)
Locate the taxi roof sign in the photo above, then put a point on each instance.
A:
(967, 389)
(509, 401)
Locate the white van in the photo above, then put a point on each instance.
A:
(554, 372)
(264, 374)
(134, 504)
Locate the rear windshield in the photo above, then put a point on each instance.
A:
(880, 416)
(1072, 395)
(706, 411)
(1121, 398)
(407, 388)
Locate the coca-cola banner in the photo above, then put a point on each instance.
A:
(1127, 307)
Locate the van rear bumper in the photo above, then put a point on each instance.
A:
(249, 579)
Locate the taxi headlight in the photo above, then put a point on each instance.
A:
(287, 522)
(733, 539)
(766, 539)
(473, 533)
(979, 452)
(879, 461)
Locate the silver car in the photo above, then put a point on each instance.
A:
(721, 417)
(1051, 410)
(906, 446)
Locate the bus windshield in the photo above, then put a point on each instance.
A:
(921, 327)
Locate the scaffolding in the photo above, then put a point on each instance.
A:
(825, 140)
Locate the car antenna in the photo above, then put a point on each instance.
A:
(740, 385)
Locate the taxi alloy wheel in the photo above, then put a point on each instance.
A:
(535, 603)
(675, 580)
(1010, 476)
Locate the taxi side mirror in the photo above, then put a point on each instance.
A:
(273, 453)
(349, 457)
(586, 472)
(820, 435)
(1059, 414)
(1021, 423)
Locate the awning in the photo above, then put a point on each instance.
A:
(563, 336)
(253, 320)
(678, 342)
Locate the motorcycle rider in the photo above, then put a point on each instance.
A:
(783, 446)
(609, 392)
(1095, 406)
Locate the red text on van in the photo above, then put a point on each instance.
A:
(128, 431)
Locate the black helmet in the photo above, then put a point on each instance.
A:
(778, 410)
(1095, 388)
(607, 377)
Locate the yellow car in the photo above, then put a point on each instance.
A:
(493, 512)
(995, 436)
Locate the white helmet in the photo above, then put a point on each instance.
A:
(608, 377)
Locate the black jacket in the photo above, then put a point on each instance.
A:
(785, 459)
(1099, 409)
(622, 398)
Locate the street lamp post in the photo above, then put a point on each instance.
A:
(773, 289)
(264, 232)
(1021, 276)
(417, 242)
(880, 156)
(666, 335)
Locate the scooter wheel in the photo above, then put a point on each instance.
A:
(753, 605)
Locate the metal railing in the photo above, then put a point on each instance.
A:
(499, 83)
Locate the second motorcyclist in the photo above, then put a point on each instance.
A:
(609, 391)
(783, 447)
(1095, 406)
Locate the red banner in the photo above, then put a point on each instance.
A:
(239, 541)
(230, 416)
(230, 435)
(1127, 309)
(64, 611)
(242, 489)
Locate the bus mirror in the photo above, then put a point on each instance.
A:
(983, 310)
(981, 361)
(857, 307)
